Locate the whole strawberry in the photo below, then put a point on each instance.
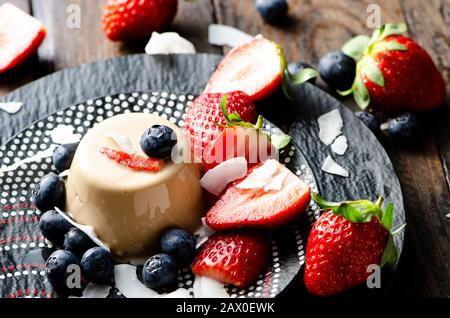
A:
(125, 20)
(205, 117)
(233, 258)
(348, 237)
(394, 73)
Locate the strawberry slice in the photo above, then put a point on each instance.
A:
(20, 36)
(255, 68)
(258, 208)
(133, 161)
(233, 258)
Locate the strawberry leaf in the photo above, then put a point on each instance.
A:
(370, 69)
(390, 255)
(356, 46)
(386, 30)
(234, 119)
(388, 217)
(360, 92)
(280, 141)
(388, 46)
(303, 76)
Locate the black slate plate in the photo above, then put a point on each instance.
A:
(371, 173)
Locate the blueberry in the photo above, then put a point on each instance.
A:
(272, 11)
(404, 128)
(49, 193)
(179, 244)
(338, 70)
(158, 141)
(370, 121)
(97, 265)
(296, 67)
(63, 156)
(53, 226)
(77, 242)
(60, 275)
(159, 271)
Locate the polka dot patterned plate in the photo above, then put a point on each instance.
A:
(23, 249)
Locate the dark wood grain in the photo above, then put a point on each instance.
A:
(314, 27)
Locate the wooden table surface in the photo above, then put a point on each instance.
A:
(314, 28)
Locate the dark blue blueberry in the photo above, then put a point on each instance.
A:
(370, 121)
(50, 193)
(159, 271)
(158, 141)
(63, 156)
(60, 275)
(272, 11)
(338, 70)
(296, 67)
(77, 242)
(97, 265)
(179, 244)
(53, 226)
(404, 128)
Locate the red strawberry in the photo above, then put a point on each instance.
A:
(256, 68)
(133, 161)
(257, 208)
(395, 74)
(125, 20)
(206, 110)
(348, 237)
(233, 258)
(20, 36)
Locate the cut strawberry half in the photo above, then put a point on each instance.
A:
(259, 207)
(133, 161)
(20, 36)
(255, 68)
(233, 258)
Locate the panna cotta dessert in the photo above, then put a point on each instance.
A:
(128, 197)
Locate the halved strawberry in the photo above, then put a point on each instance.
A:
(233, 258)
(20, 36)
(133, 161)
(256, 68)
(258, 208)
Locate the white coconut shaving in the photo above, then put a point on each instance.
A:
(203, 233)
(330, 166)
(340, 145)
(277, 182)
(205, 287)
(219, 34)
(11, 107)
(37, 157)
(88, 230)
(128, 283)
(94, 291)
(168, 43)
(330, 126)
(261, 176)
(64, 134)
(64, 174)
(216, 179)
(123, 142)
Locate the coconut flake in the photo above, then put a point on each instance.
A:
(38, 156)
(64, 134)
(330, 166)
(88, 230)
(205, 287)
(340, 145)
(261, 176)
(168, 43)
(216, 179)
(11, 107)
(123, 142)
(330, 126)
(219, 34)
(94, 291)
(277, 182)
(203, 233)
(128, 283)
(64, 174)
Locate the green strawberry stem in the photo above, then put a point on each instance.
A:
(234, 119)
(363, 211)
